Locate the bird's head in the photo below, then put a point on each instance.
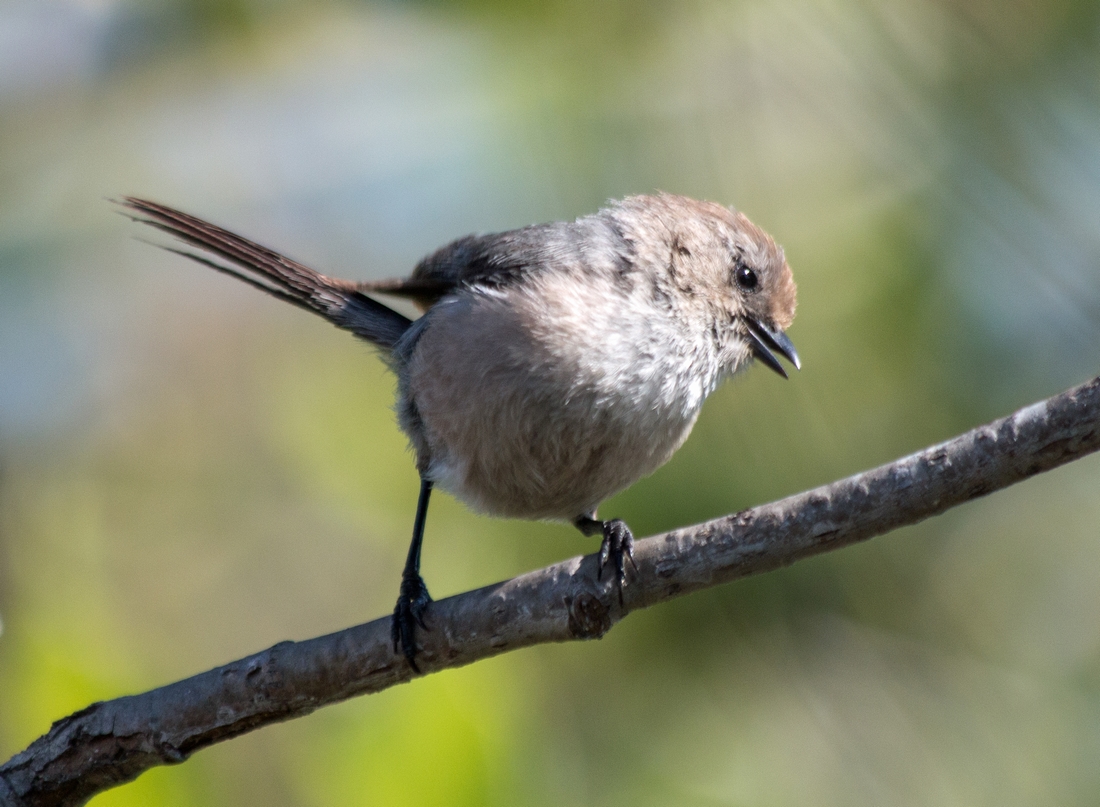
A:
(728, 274)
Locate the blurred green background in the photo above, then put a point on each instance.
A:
(190, 472)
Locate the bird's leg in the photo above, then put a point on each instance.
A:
(414, 598)
(617, 546)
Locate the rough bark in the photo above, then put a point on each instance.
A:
(110, 743)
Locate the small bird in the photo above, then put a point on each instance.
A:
(553, 365)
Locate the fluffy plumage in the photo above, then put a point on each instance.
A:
(554, 365)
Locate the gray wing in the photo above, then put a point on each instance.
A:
(341, 302)
(501, 259)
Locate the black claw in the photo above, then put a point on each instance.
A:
(409, 612)
(617, 546)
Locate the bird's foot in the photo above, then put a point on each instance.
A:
(412, 602)
(616, 549)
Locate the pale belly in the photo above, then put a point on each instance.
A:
(534, 416)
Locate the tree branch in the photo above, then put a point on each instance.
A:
(110, 743)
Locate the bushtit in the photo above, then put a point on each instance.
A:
(554, 365)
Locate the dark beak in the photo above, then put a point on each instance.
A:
(764, 340)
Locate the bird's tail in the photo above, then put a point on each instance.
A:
(338, 301)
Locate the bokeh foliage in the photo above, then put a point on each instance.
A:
(189, 473)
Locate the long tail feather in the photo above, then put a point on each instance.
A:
(338, 301)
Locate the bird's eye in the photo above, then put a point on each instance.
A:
(746, 278)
